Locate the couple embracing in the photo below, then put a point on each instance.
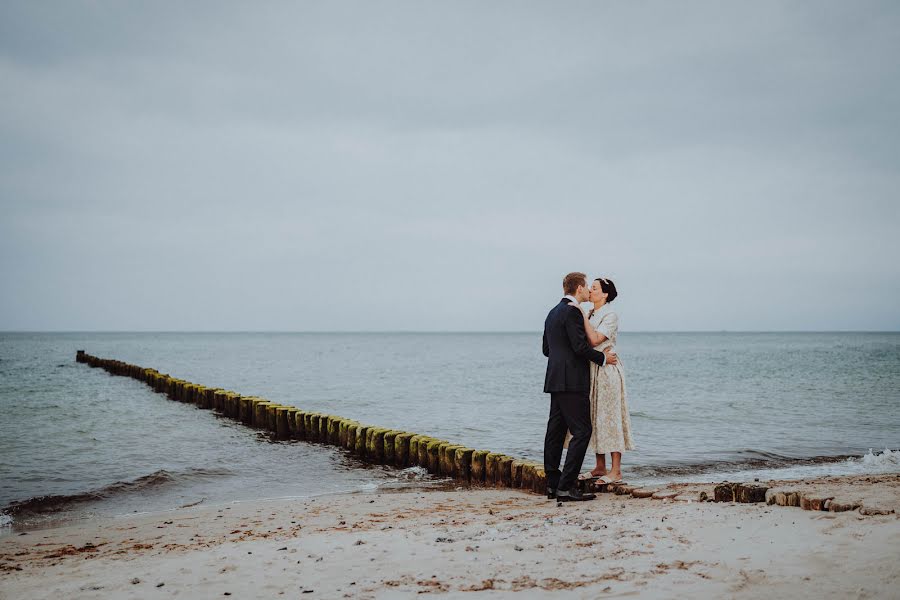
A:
(586, 386)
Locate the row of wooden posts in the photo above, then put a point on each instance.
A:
(373, 444)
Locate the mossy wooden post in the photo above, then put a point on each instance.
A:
(340, 437)
(324, 425)
(236, 407)
(442, 457)
(282, 431)
(401, 449)
(272, 417)
(367, 451)
(342, 432)
(359, 444)
(516, 473)
(308, 426)
(528, 475)
(422, 454)
(376, 450)
(322, 428)
(229, 404)
(264, 421)
(300, 423)
(259, 413)
(352, 428)
(334, 431)
(462, 458)
(350, 441)
(231, 400)
(448, 460)
(434, 450)
(200, 396)
(478, 466)
(413, 460)
(539, 483)
(505, 466)
(291, 422)
(211, 398)
(314, 427)
(390, 446)
(246, 410)
(492, 469)
(324, 421)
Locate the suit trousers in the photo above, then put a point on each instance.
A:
(569, 411)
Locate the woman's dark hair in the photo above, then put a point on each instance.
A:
(609, 288)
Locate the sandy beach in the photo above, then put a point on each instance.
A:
(454, 543)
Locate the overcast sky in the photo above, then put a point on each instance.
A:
(441, 166)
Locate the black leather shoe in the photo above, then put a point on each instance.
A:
(573, 495)
(551, 493)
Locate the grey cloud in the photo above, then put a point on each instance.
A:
(728, 163)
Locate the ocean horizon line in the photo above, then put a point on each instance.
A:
(424, 331)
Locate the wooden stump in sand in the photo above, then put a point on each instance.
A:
(401, 449)
(477, 470)
(462, 458)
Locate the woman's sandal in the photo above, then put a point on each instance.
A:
(606, 479)
(589, 476)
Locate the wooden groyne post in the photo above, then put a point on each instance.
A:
(378, 445)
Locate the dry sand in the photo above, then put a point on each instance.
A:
(456, 544)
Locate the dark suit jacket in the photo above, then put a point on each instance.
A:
(568, 350)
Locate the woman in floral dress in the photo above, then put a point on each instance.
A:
(609, 408)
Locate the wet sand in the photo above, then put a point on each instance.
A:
(490, 542)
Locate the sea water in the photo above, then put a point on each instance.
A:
(75, 441)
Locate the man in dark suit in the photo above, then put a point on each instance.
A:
(568, 381)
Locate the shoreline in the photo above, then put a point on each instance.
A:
(404, 542)
(842, 490)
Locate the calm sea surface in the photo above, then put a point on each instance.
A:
(704, 406)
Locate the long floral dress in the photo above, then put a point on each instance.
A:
(609, 407)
